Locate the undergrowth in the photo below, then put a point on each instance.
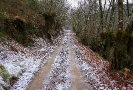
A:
(4, 74)
(19, 20)
(117, 48)
(7, 78)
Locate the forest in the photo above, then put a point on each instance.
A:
(95, 36)
(106, 30)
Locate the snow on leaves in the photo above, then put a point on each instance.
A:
(27, 61)
(24, 63)
(95, 69)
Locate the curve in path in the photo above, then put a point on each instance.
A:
(37, 81)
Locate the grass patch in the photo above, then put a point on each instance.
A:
(4, 73)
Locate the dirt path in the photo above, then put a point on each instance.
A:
(68, 69)
(37, 81)
(76, 76)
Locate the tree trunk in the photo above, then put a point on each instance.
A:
(127, 8)
(112, 13)
(101, 14)
(129, 28)
(120, 14)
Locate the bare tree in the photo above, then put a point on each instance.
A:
(55, 15)
(120, 14)
(127, 8)
(112, 3)
(130, 23)
(86, 22)
(101, 14)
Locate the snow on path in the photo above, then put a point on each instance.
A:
(59, 76)
(37, 81)
(64, 74)
(71, 67)
(33, 65)
(24, 62)
(77, 78)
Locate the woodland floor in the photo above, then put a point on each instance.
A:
(69, 66)
(53, 69)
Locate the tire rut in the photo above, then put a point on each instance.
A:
(37, 81)
(77, 78)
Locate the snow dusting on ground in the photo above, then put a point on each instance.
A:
(24, 62)
(59, 76)
(94, 68)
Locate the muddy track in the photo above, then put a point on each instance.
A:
(77, 78)
(49, 76)
(37, 81)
